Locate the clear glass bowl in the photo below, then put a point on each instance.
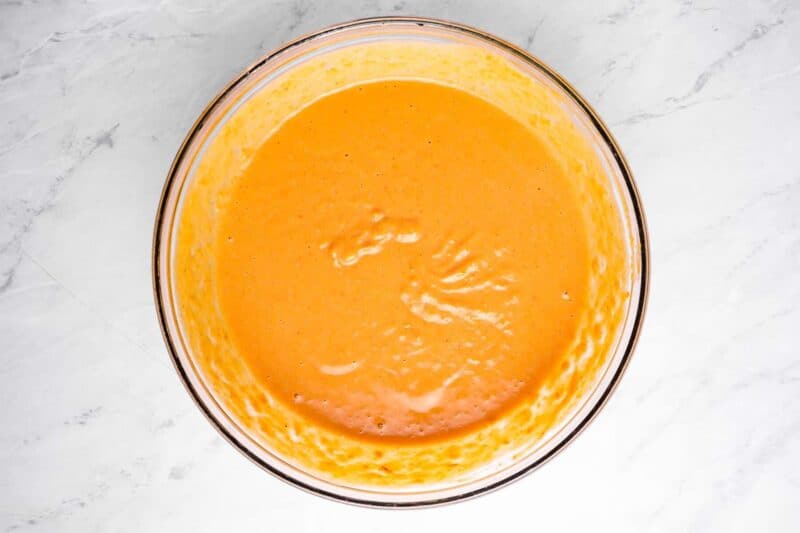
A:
(293, 53)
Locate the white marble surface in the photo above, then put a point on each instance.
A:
(99, 435)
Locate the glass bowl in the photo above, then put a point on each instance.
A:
(295, 53)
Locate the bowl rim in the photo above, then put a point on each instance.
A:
(630, 189)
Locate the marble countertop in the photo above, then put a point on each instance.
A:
(97, 431)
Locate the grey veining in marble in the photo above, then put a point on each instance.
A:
(97, 432)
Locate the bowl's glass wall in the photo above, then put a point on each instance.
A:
(249, 83)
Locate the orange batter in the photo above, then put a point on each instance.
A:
(400, 263)
(402, 260)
